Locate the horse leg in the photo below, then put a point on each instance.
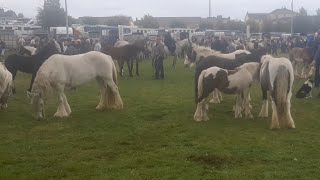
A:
(174, 61)
(121, 63)
(13, 78)
(264, 108)
(247, 106)
(129, 68)
(215, 98)
(112, 94)
(238, 106)
(102, 104)
(290, 122)
(32, 80)
(275, 119)
(137, 68)
(61, 111)
(201, 112)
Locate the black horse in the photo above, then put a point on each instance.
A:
(30, 64)
(171, 44)
(127, 53)
(227, 64)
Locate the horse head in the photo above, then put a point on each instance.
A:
(38, 103)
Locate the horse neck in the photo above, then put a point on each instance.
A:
(41, 84)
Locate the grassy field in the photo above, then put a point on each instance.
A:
(155, 137)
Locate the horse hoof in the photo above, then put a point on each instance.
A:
(100, 107)
(61, 116)
(213, 101)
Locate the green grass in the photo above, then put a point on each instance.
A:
(155, 137)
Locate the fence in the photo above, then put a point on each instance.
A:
(9, 38)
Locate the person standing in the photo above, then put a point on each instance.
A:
(97, 46)
(317, 61)
(159, 54)
(2, 47)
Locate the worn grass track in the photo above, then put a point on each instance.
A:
(155, 137)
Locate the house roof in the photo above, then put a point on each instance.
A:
(188, 21)
(283, 11)
(259, 16)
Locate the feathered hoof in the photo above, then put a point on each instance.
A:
(197, 118)
(249, 116)
(118, 106)
(274, 128)
(61, 115)
(100, 107)
(4, 106)
(215, 101)
(291, 126)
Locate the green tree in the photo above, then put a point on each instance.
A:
(148, 21)
(20, 15)
(303, 12)
(51, 14)
(89, 20)
(204, 25)
(254, 26)
(177, 24)
(318, 12)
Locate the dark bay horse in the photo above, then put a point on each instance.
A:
(30, 64)
(127, 53)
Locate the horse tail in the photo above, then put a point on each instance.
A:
(196, 80)
(114, 73)
(199, 86)
(281, 89)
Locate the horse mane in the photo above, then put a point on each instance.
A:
(41, 84)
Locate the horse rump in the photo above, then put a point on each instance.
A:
(281, 90)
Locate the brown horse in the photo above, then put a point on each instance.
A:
(302, 56)
(127, 53)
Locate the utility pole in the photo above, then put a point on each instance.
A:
(67, 19)
(292, 17)
(209, 8)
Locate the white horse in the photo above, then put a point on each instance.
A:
(6, 86)
(236, 82)
(276, 76)
(60, 71)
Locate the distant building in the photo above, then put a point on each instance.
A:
(278, 15)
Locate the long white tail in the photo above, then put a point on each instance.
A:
(281, 90)
(200, 84)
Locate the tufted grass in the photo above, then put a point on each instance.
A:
(155, 137)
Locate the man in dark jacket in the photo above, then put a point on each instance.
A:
(216, 44)
(159, 54)
(71, 49)
(317, 64)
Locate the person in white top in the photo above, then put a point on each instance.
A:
(97, 46)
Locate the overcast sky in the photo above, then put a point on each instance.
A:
(137, 8)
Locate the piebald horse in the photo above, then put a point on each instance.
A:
(276, 77)
(6, 86)
(236, 82)
(60, 71)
